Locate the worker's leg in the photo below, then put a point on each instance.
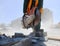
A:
(40, 5)
(38, 26)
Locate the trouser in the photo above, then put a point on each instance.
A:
(40, 5)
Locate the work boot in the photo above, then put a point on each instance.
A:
(39, 33)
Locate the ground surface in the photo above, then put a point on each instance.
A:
(52, 43)
(48, 43)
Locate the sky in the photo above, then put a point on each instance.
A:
(13, 9)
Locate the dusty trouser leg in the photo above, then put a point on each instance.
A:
(26, 10)
(37, 27)
(38, 13)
